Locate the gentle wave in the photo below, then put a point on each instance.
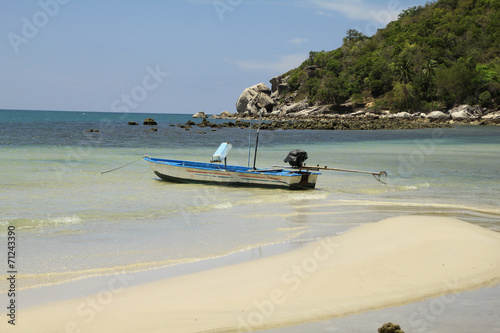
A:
(413, 187)
(31, 223)
(30, 281)
(493, 212)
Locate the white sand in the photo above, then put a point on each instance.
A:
(392, 262)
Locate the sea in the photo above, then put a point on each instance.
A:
(73, 222)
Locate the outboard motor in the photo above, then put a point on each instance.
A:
(296, 158)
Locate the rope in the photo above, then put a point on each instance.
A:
(121, 166)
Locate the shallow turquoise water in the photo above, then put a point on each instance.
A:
(72, 222)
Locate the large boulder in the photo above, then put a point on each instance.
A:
(296, 107)
(276, 81)
(466, 112)
(264, 101)
(438, 116)
(492, 118)
(279, 86)
(223, 115)
(254, 98)
(305, 112)
(403, 115)
(200, 114)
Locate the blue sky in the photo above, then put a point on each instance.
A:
(152, 56)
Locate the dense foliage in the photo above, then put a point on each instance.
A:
(433, 57)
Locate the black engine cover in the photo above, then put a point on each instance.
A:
(296, 158)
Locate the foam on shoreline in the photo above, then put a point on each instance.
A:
(392, 262)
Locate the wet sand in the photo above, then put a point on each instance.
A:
(386, 264)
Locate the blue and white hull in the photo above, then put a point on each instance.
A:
(196, 172)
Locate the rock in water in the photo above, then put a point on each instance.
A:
(200, 114)
(390, 328)
(149, 121)
(225, 114)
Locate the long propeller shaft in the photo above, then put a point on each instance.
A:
(376, 175)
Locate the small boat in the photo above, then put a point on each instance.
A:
(296, 176)
(213, 173)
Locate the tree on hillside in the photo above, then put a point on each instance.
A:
(353, 35)
(456, 84)
(404, 72)
(429, 71)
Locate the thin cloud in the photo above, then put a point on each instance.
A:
(298, 40)
(361, 9)
(281, 64)
(202, 2)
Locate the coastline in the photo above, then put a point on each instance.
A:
(327, 123)
(360, 119)
(335, 277)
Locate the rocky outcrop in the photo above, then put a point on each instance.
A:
(466, 112)
(280, 103)
(200, 114)
(132, 123)
(279, 86)
(223, 115)
(276, 81)
(276, 101)
(254, 99)
(331, 122)
(295, 107)
(492, 118)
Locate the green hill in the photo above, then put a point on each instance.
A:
(433, 57)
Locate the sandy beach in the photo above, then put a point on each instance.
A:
(393, 262)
